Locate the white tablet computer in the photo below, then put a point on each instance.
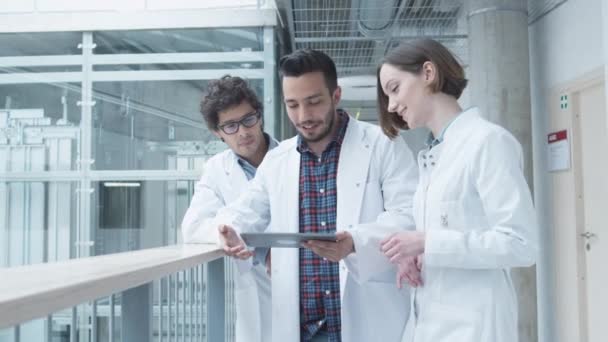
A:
(285, 240)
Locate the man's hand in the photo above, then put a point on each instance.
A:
(233, 245)
(334, 251)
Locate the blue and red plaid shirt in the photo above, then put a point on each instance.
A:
(319, 277)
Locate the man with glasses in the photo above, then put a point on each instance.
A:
(233, 113)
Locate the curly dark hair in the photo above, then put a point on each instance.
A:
(224, 93)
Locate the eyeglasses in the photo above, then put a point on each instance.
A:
(248, 121)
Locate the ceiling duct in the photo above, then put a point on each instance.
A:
(376, 17)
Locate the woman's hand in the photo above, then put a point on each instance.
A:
(410, 270)
(399, 246)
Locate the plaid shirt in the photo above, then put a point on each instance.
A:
(319, 277)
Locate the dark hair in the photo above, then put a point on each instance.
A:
(225, 93)
(410, 56)
(305, 61)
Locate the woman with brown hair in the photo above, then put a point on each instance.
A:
(473, 210)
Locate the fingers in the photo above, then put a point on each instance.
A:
(245, 254)
(420, 262)
(389, 244)
(223, 229)
(407, 269)
(387, 239)
(413, 272)
(393, 254)
(342, 235)
(399, 278)
(239, 252)
(414, 278)
(232, 250)
(320, 249)
(410, 280)
(323, 244)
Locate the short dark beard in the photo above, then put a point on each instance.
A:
(328, 131)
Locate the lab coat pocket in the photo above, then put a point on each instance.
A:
(451, 216)
(437, 322)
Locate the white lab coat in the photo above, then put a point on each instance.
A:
(476, 209)
(222, 182)
(376, 180)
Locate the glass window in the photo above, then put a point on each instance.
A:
(37, 222)
(131, 215)
(187, 40)
(40, 44)
(39, 126)
(151, 125)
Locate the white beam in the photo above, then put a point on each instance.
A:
(175, 58)
(173, 75)
(40, 77)
(26, 61)
(135, 20)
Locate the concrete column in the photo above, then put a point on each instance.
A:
(603, 39)
(500, 86)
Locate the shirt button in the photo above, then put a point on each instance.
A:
(320, 323)
(327, 292)
(324, 259)
(319, 160)
(322, 191)
(323, 223)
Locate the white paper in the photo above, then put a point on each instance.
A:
(559, 155)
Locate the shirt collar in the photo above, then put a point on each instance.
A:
(272, 143)
(431, 141)
(337, 139)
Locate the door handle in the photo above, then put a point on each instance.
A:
(588, 235)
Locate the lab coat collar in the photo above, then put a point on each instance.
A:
(461, 124)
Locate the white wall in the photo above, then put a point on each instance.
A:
(564, 45)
